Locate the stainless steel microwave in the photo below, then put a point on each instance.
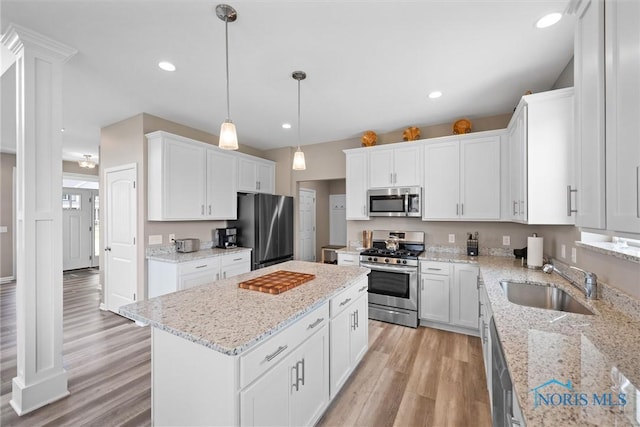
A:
(397, 201)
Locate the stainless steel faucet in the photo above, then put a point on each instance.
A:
(590, 287)
(590, 283)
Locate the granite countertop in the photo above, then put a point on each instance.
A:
(177, 257)
(231, 320)
(353, 250)
(598, 354)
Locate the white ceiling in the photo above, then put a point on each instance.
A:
(369, 64)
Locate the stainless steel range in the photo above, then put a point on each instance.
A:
(393, 281)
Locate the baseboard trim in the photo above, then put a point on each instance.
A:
(103, 307)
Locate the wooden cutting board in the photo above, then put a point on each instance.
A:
(277, 282)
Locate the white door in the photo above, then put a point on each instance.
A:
(307, 230)
(76, 228)
(120, 236)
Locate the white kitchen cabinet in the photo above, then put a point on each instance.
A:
(449, 296)
(356, 184)
(255, 175)
(188, 180)
(542, 127)
(165, 277)
(349, 333)
(235, 264)
(589, 85)
(622, 54)
(221, 185)
(295, 391)
(394, 167)
(348, 259)
(464, 298)
(435, 291)
(462, 179)
(485, 314)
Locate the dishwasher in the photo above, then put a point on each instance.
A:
(501, 385)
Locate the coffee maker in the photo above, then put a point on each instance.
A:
(225, 238)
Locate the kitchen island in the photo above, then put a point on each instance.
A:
(222, 355)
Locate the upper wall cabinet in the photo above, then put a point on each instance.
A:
(189, 180)
(541, 143)
(589, 115)
(462, 179)
(607, 66)
(394, 167)
(256, 175)
(622, 148)
(356, 184)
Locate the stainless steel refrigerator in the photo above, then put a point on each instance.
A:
(265, 224)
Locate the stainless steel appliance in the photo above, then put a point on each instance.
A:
(225, 238)
(265, 224)
(187, 245)
(397, 201)
(501, 385)
(393, 281)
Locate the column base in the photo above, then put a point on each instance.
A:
(25, 399)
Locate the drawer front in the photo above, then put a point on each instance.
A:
(347, 297)
(203, 264)
(435, 267)
(238, 257)
(268, 354)
(348, 259)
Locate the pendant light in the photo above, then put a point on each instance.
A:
(228, 136)
(298, 158)
(87, 162)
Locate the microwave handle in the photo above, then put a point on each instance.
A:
(406, 203)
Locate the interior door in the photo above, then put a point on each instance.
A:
(307, 225)
(76, 228)
(120, 237)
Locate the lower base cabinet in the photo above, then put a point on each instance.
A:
(349, 340)
(294, 392)
(485, 336)
(449, 296)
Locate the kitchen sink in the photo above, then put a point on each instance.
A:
(542, 296)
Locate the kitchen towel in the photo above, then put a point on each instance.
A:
(534, 251)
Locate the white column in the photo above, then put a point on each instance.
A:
(41, 377)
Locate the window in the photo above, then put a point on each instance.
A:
(71, 201)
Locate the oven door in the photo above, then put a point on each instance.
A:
(393, 286)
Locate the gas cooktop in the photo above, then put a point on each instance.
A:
(400, 253)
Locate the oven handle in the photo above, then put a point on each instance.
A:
(393, 269)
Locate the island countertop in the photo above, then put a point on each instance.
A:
(230, 320)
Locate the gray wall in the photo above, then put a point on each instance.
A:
(7, 163)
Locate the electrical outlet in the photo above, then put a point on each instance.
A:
(506, 240)
(563, 251)
(452, 238)
(172, 238)
(155, 239)
(574, 255)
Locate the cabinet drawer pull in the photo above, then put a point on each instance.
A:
(515, 203)
(356, 319)
(316, 323)
(345, 302)
(364, 288)
(209, 209)
(434, 269)
(273, 355)
(202, 266)
(237, 259)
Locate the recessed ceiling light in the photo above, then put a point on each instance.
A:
(286, 126)
(62, 129)
(435, 94)
(549, 20)
(167, 66)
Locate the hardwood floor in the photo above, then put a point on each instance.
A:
(409, 377)
(414, 377)
(107, 359)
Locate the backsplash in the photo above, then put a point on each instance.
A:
(171, 248)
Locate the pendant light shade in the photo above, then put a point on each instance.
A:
(298, 158)
(298, 161)
(228, 136)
